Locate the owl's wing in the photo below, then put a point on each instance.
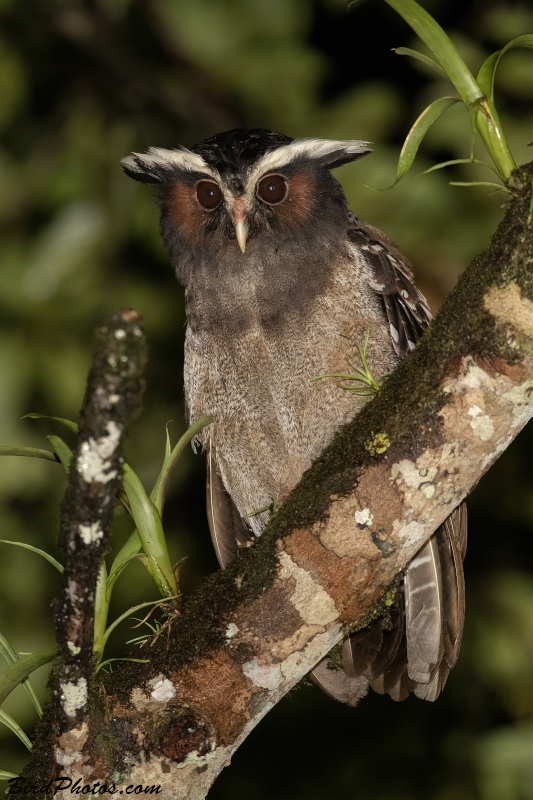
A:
(406, 309)
(227, 529)
(415, 648)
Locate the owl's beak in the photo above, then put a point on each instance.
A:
(241, 223)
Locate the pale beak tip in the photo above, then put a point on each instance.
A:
(241, 232)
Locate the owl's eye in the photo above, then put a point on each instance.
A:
(208, 195)
(272, 189)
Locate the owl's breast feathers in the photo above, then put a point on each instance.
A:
(254, 347)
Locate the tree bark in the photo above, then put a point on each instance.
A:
(358, 516)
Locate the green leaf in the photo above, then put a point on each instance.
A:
(30, 452)
(15, 673)
(134, 660)
(11, 655)
(42, 553)
(442, 48)
(489, 126)
(456, 161)
(62, 450)
(132, 547)
(429, 62)
(482, 183)
(6, 776)
(66, 422)
(127, 553)
(419, 130)
(160, 487)
(101, 607)
(480, 106)
(487, 72)
(150, 530)
(485, 76)
(168, 446)
(10, 723)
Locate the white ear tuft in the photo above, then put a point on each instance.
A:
(155, 165)
(329, 153)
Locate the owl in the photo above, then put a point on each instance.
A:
(282, 283)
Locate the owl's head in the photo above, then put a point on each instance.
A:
(239, 185)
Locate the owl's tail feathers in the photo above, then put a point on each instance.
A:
(338, 685)
(451, 543)
(414, 650)
(225, 523)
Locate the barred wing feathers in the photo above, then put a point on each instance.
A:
(406, 309)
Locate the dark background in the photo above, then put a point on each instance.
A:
(84, 83)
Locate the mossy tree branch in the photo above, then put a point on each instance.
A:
(407, 460)
(112, 401)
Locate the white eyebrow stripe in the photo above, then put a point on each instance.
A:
(313, 148)
(158, 158)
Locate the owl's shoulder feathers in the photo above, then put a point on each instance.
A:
(406, 309)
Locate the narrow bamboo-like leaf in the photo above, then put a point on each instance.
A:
(10, 723)
(456, 161)
(6, 776)
(485, 76)
(168, 446)
(101, 607)
(30, 452)
(62, 451)
(487, 72)
(481, 183)
(7, 650)
(132, 547)
(159, 491)
(442, 48)
(489, 126)
(486, 119)
(11, 655)
(66, 422)
(128, 613)
(128, 551)
(15, 673)
(135, 661)
(150, 530)
(429, 62)
(419, 130)
(39, 552)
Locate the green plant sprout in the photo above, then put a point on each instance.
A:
(105, 666)
(143, 638)
(360, 380)
(6, 684)
(272, 509)
(147, 543)
(156, 630)
(477, 94)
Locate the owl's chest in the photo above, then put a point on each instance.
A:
(261, 381)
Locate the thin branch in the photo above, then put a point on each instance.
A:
(112, 400)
